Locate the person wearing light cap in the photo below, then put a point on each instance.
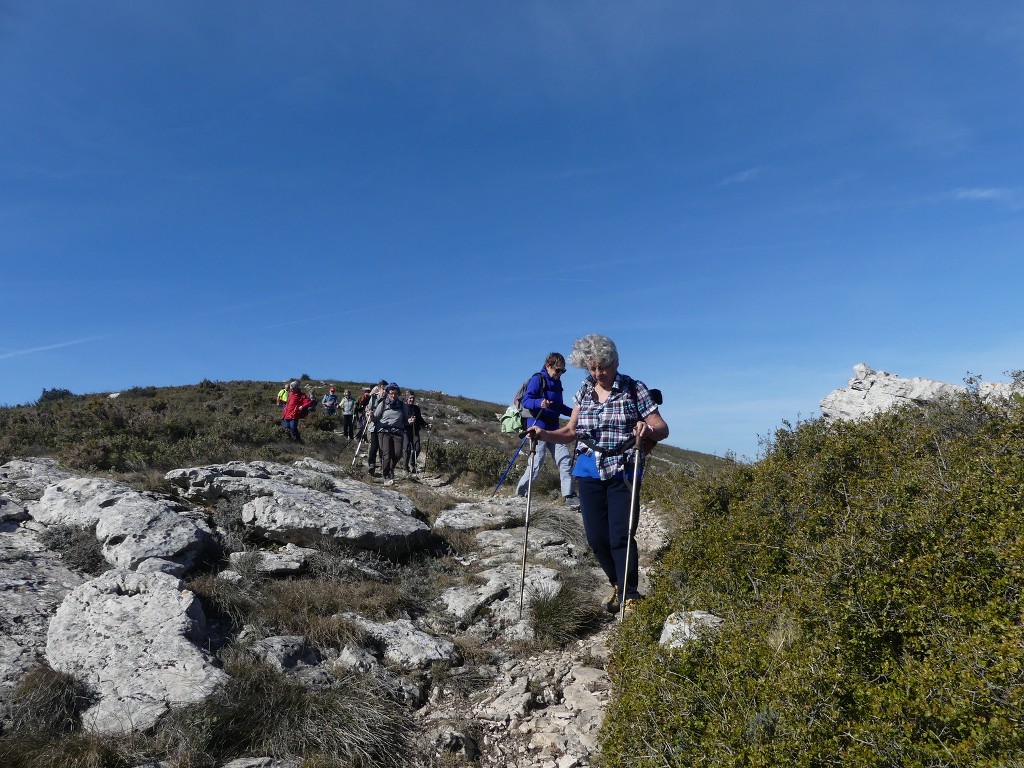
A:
(330, 403)
(390, 417)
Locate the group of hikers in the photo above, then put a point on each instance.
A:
(390, 423)
(614, 422)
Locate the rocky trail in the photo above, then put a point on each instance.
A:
(140, 638)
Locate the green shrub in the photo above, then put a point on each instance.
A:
(870, 578)
(53, 395)
(481, 462)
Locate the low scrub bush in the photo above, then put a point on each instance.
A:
(262, 712)
(78, 548)
(483, 463)
(44, 727)
(871, 578)
(47, 700)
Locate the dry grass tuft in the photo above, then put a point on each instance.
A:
(558, 618)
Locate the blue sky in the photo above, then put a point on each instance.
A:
(748, 198)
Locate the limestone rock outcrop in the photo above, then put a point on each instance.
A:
(138, 638)
(683, 626)
(132, 638)
(33, 583)
(870, 392)
(131, 526)
(294, 505)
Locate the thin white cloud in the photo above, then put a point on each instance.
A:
(1010, 196)
(33, 350)
(742, 177)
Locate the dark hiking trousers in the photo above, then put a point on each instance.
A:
(374, 449)
(390, 451)
(605, 507)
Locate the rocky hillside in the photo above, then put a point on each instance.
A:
(275, 603)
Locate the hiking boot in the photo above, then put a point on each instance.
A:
(571, 502)
(631, 604)
(389, 481)
(612, 603)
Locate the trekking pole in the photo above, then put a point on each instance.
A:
(510, 465)
(634, 503)
(526, 532)
(515, 455)
(362, 434)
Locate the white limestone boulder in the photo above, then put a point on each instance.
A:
(506, 545)
(132, 638)
(27, 478)
(871, 392)
(287, 561)
(404, 645)
(131, 526)
(33, 583)
(467, 516)
(291, 505)
(682, 627)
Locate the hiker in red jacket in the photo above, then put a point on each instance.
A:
(298, 405)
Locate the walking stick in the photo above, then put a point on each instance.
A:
(526, 533)
(362, 435)
(509, 467)
(634, 503)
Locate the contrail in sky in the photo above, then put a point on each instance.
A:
(33, 350)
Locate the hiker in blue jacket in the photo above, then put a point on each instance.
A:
(543, 399)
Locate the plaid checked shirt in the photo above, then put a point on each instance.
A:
(607, 425)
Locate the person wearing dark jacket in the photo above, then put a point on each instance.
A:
(543, 399)
(390, 417)
(414, 423)
(298, 405)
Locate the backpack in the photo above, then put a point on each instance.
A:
(512, 420)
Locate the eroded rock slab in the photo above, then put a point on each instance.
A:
(292, 505)
(406, 646)
(26, 479)
(468, 516)
(870, 392)
(33, 583)
(130, 526)
(132, 638)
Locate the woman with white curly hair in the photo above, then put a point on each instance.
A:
(612, 415)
